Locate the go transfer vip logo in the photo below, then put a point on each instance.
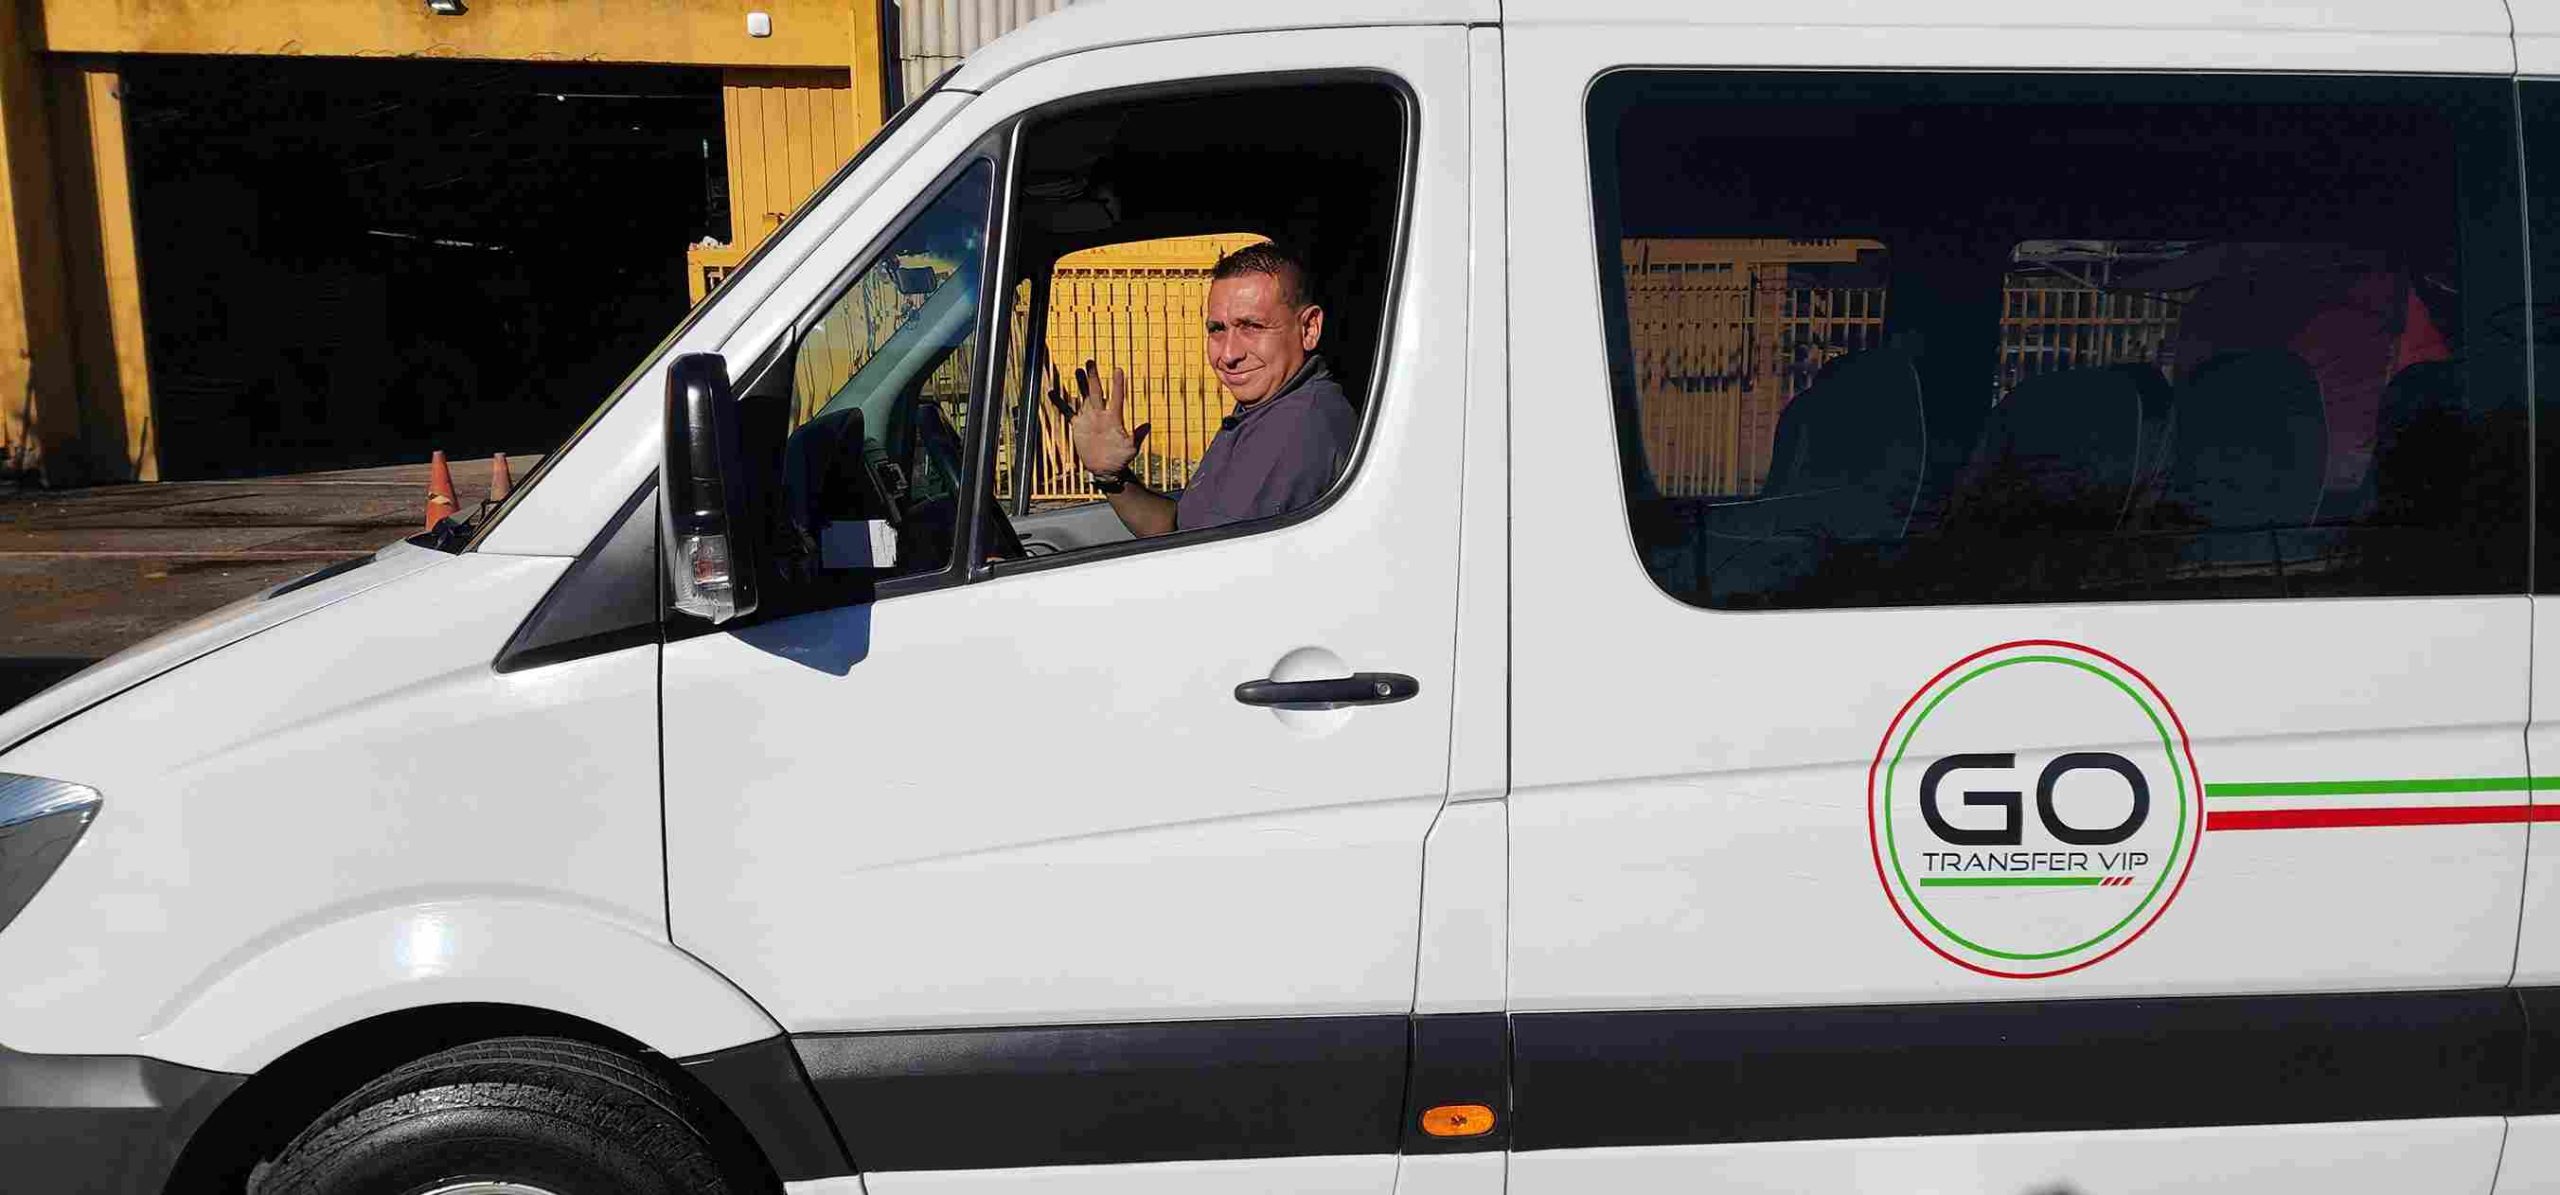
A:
(2017, 858)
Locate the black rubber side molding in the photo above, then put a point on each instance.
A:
(1795, 1074)
(1069, 1095)
(2541, 1084)
(1459, 1058)
(1359, 688)
(762, 1086)
(991, 1098)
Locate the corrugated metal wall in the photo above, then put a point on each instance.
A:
(934, 35)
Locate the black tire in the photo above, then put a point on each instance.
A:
(558, 1115)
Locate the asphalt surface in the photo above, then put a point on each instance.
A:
(85, 573)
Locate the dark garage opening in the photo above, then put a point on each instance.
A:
(352, 262)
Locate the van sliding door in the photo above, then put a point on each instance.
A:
(2022, 681)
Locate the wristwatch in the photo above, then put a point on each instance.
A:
(1114, 481)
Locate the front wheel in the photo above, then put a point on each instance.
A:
(512, 1116)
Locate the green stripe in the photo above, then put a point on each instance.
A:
(2351, 788)
(2010, 881)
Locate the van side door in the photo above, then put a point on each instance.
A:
(1069, 860)
(2021, 683)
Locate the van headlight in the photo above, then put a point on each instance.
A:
(40, 819)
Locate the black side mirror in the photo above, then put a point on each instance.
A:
(708, 523)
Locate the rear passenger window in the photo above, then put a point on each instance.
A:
(1959, 339)
(2541, 103)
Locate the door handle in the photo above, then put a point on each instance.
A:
(1359, 688)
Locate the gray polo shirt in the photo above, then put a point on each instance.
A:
(1275, 456)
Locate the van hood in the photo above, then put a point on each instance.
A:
(207, 634)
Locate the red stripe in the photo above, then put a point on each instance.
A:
(2413, 815)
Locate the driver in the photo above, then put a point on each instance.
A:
(1292, 428)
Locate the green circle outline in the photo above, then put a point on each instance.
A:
(2176, 844)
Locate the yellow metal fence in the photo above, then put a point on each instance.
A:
(1719, 348)
(2053, 326)
(1721, 343)
(1138, 308)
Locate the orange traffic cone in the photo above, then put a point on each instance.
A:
(439, 491)
(501, 482)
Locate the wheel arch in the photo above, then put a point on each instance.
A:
(293, 987)
(282, 1098)
(309, 1016)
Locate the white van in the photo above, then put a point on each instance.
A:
(1937, 605)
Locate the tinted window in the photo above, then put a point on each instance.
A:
(1124, 208)
(879, 385)
(2541, 104)
(1916, 340)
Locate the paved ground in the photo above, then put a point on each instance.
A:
(85, 572)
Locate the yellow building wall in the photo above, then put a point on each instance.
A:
(74, 383)
(118, 434)
(684, 32)
(788, 133)
(71, 343)
(39, 413)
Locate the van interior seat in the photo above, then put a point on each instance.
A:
(2159, 426)
(1848, 455)
(2250, 446)
(1846, 463)
(2062, 452)
(2424, 421)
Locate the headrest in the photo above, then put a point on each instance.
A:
(2062, 452)
(1852, 444)
(2250, 447)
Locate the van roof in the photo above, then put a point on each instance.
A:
(2202, 16)
(1094, 24)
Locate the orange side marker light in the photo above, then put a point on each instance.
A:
(1458, 1120)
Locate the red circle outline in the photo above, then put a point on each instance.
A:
(1875, 848)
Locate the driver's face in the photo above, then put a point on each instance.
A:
(1256, 341)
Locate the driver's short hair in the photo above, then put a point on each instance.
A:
(1268, 257)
